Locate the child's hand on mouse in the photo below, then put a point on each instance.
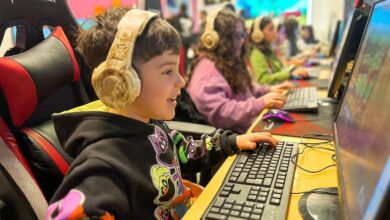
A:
(249, 141)
(300, 73)
(274, 100)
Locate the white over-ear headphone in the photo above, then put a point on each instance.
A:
(115, 81)
(257, 35)
(210, 37)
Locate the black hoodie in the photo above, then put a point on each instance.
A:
(128, 169)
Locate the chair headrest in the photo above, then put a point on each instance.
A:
(34, 15)
(27, 78)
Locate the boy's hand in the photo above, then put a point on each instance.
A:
(248, 141)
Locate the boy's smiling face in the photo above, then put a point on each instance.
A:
(161, 84)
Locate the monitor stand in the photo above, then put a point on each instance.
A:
(319, 204)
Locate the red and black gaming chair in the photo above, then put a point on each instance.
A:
(31, 16)
(34, 84)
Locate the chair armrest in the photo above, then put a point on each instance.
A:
(188, 128)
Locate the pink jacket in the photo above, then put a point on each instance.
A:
(217, 102)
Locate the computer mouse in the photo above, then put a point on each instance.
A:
(277, 115)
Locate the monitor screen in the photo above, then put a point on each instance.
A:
(349, 45)
(363, 123)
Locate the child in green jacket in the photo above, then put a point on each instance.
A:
(266, 67)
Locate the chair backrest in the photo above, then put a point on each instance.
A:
(33, 16)
(34, 84)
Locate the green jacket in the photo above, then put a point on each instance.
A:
(267, 70)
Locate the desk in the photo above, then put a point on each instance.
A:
(312, 159)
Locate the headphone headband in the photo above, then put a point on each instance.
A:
(115, 81)
(257, 34)
(131, 25)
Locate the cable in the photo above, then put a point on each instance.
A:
(314, 146)
(317, 135)
(334, 157)
(315, 191)
(328, 139)
(310, 171)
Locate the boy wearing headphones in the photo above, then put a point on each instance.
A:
(128, 163)
(266, 67)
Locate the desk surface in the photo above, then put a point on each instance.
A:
(312, 159)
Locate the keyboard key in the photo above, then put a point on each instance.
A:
(263, 194)
(252, 198)
(216, 216)
(276, 196)
(224, 193)
(279, 186)
(245, 215)
(257, 211)
(237, 207)
(255, 216)
(240, 203)
(267, 182)
(225, 211)
(228, 206)
(235, 213)
(214, 209)
(275, 201)
(242, 177)
(261, 199)
(247, 209)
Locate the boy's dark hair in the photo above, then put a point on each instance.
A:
(233, 68)
(94, 44)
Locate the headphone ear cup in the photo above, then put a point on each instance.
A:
(210, 39)
(115, 88)
(257, 36)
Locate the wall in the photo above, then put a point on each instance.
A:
(88, 8)
(324, 17)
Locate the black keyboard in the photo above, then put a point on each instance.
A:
(257, 186)
(302, 100)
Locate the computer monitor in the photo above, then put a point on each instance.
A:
(349, 45)
(337, 33)
(363, 124)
